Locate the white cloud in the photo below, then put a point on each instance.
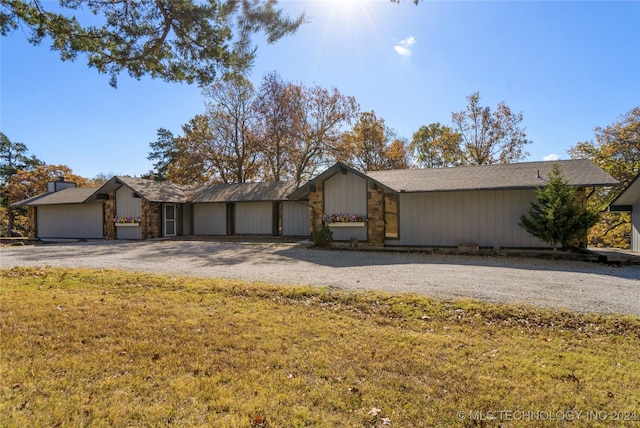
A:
(551, 157)
(404, 46)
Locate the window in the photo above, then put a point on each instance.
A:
(391, 216)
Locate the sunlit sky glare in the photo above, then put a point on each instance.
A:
(567, 66)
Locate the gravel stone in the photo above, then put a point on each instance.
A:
(575, 285)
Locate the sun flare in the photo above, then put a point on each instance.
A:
(347, 8)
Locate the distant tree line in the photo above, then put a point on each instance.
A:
(287, 131)
(279, 131)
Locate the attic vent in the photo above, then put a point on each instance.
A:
(539, 177)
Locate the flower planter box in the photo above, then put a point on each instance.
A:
(348, 224)
(127, 224)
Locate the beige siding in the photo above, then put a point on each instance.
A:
(80, 221)
(210, 219)
(452, 218)
(635, 227)
(128, 206)
(345, 193)
(254, 218)
(186, 215)
(295, 218)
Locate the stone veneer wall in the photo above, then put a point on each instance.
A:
(33, 222)
(375, 215)
(316, 203)
(108, 226)
(150, 219)
(375, 212)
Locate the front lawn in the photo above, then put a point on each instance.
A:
(109, 348)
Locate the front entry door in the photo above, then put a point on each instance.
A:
(170, 228)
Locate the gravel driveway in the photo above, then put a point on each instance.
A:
(579, 286)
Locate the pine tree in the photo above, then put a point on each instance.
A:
(557, 217)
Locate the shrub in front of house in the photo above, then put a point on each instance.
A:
(322, 237)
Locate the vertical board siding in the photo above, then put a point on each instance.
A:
(76, 221)
(635, 227)
(452, 218)
(128, 206)
(210, 219)
(295, 218)
(254, 218)
(345, 193)
(185, 212)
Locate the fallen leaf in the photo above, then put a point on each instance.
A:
(374, 411)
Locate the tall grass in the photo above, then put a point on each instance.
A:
(109, 348)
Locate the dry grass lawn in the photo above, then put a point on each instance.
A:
(109, 348)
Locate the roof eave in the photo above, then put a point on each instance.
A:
(622, 198)
(475, 189)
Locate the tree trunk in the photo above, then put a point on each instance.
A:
(9, 221)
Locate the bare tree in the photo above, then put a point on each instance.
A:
(487, 137)
(323, 115)
(233, 150)
(278, 108)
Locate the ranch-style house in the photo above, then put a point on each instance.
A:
(435, 207)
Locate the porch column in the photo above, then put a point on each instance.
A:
(316, 205)
(108, 226)
(375, 214)
(150, 219)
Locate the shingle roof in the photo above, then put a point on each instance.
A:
(158, 191)
(578, 172)
(71, 195)
(245, 192)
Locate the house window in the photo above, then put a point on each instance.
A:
(391, 216)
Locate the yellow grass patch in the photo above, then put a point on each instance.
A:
(109, 348)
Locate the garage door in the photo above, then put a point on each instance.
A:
(76, 221)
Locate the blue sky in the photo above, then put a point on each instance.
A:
(567, 66)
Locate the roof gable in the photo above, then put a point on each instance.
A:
(629, 196)
(151, 190)
(337, 168)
